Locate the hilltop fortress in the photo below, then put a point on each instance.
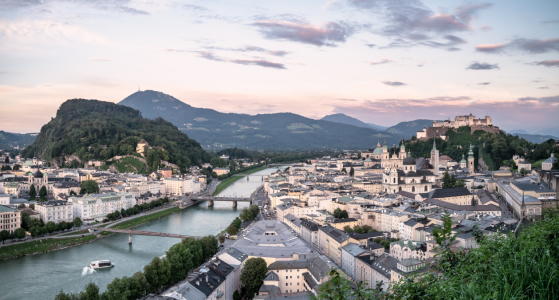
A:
(439, 129)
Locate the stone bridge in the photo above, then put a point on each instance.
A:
(211, 199)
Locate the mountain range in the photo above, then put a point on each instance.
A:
(217, 130)
(345, 119)
(10, 140)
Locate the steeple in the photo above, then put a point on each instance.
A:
(385, 145)
(471, 152)
(403, 147)
(434, 145)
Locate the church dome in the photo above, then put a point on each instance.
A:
(38, 174)
(377, 151)
(409, 161)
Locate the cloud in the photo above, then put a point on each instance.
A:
(370, 45)
(394, 83)
(548, 63)
(327, 34)
(486, 28)
(449, 44)
(484, 83)
(490, 48)
(531, 46)
(194, 7)
(380, 62)
(250, 48)
(551, 22)
(543, 88)
(247, 62)
(258, 62)
(404, 17)
(482, 66)
(120, 6)
(552, 99)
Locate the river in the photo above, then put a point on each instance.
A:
(42, 276)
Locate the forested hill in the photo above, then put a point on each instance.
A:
(281, 131)
(496, 149)
(92, 129)
(10, 140)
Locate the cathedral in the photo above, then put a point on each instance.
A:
(400, 170)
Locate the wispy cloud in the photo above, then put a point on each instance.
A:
(327, 34)
(482, 66)
(486, 28)
(532, 46)
(118, 6)
(548, 63)
(250, 48)
(484, 83)
(552, 99)
(380, 62)
(247, 62)
(394, 83)
(555, 21)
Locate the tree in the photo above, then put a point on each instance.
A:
(158, 273)
(523, 171)
(63, 296)
(367, 228)
(78, 222)
(43, 192)
(72, 193)
(89, 187)
(351, 172)
(181, 261)
(344, 171)
(7, 159)
(63, 225)
(253, 275)
(237, 223)
(19, 233)
(446, 181)
(51, 227)
(32, 192)
(255, 210)
(232, 230)
(236, 295)
(358, 155)
(4, 235)
(91, 292)
(246, 215)
(222, 239)
(217, 162)
(118, 289)
(358, 229)
(348, 229)
(209, 245)
(196, 250)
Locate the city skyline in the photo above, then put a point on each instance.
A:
(380, 61)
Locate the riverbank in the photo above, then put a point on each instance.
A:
(55, 243)
(229, 181)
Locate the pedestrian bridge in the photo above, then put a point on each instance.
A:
(150, 233)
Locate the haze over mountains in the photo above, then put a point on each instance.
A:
(215, 130)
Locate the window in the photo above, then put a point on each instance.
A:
(286, 277)
(286, 284)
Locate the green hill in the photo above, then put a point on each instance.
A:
(282, 131)
(496, 148)
(10, 140)
(92, 129)
(410, 128)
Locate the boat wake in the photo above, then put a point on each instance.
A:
(87, 271)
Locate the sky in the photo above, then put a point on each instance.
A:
(381, 61)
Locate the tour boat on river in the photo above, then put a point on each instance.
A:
(101, 264)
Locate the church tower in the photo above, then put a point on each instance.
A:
(402, 151)
(463, 162)
(435, 158)
(471, 160)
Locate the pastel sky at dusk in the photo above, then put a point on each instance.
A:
(381, 61)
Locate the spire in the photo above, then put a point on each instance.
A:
(434, 145)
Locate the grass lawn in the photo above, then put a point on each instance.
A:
(75, 232)
(32, 247)
(229, 181)
(145, 219)
(538, 164)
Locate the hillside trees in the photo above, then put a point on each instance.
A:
(93, 129)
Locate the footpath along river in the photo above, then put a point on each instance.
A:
(42, 276)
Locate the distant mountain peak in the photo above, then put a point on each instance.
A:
(345, 119)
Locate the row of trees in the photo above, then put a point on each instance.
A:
(247, 214)
(8, 168)
(359, 229)
(136, 209)
(16, 234)
(180, 259)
